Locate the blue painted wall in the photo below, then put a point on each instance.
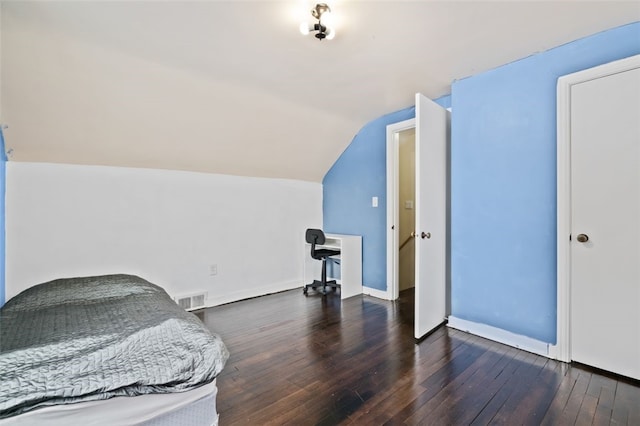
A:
(3, 162)
(503, 185)
(359, 174)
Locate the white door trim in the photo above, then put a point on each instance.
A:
(563, 346)
(393, 155)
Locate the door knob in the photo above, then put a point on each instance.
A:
(582, 238)
(427, 235)
(413, 234)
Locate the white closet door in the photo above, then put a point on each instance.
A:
(605, 223)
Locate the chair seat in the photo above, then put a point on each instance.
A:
(322, 253)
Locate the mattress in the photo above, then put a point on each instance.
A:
(196, 407)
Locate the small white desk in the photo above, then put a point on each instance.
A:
(350, 267)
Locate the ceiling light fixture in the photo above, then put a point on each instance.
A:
(321, 12)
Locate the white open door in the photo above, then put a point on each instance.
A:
(431, 215)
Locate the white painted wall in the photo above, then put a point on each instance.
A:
(166, 226)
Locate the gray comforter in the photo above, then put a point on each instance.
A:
(92, 338)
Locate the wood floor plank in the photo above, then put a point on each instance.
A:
(626, 407)
(478, 391)
(587, 410)
(433, 384)
(529, 404)
(604, 388)
(393, 398)
(299, 360)
(574, 402)
(444, 406)
(559, 402)
(503, 385)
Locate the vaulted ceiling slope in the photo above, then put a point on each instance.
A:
(232, 87)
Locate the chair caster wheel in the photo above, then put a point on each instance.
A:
(304, 291)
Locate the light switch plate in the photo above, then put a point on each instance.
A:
(374, 201)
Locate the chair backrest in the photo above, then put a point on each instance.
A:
(313, 237)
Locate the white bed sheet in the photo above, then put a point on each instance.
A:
(118, 411)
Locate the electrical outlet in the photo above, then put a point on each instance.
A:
(213, 269)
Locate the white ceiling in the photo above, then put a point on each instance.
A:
(233, 87)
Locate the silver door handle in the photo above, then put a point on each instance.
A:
(427, 235)
(582, 238)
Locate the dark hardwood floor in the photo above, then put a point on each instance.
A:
(322, 361)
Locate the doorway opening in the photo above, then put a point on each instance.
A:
(401, 181)
(406, 191)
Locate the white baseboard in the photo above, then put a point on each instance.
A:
(249, 293)
(503, 336)
(553, 351)
(380, 294)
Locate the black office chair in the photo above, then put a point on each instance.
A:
(313, 237)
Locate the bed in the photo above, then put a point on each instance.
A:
(105, 350)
